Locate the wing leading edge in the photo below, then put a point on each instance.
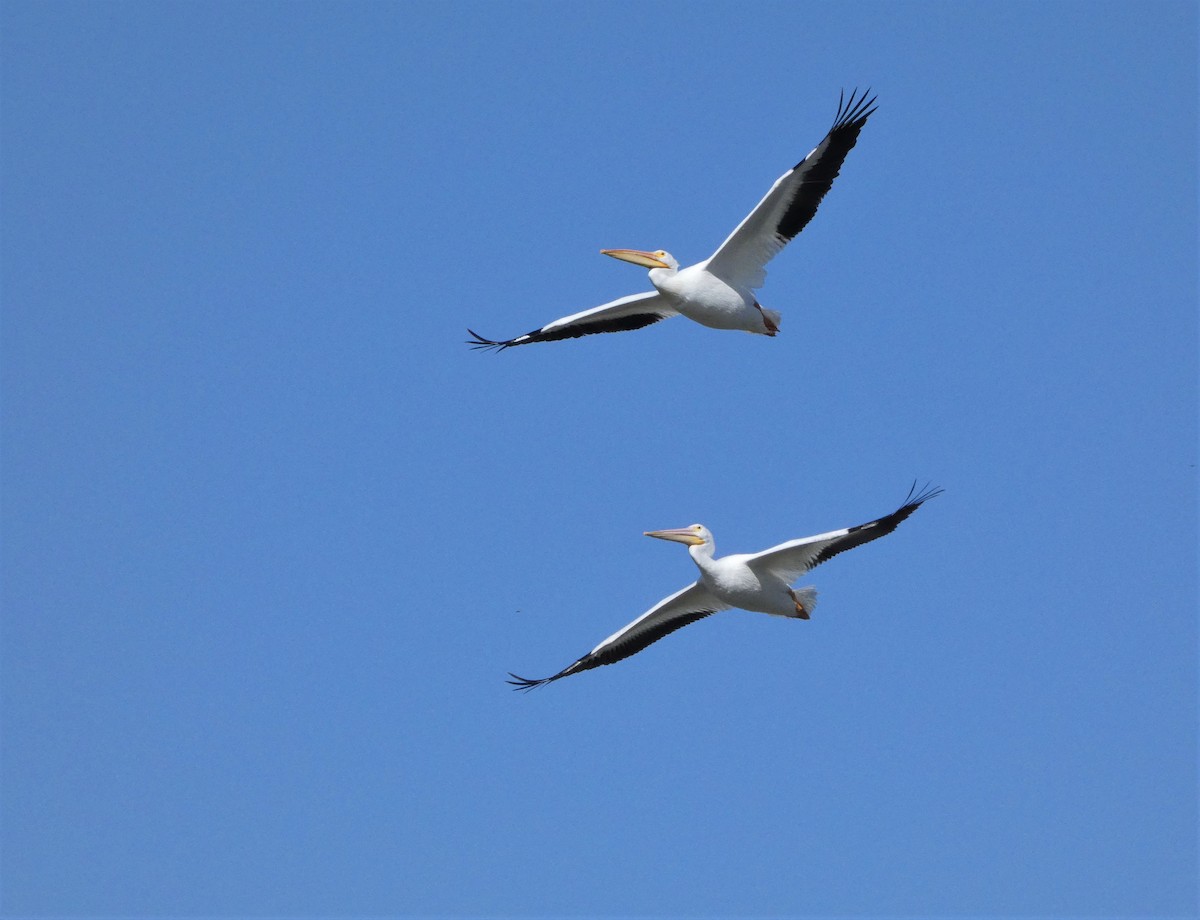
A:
(621, 315)
(680, 609)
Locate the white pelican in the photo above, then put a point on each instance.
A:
(719, 292)
(760, 582)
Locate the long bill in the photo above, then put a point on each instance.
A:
(636, 256)
(678, 535)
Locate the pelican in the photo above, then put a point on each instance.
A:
(760, 582)
(719, 292)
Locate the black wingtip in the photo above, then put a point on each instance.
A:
(917, 497)
(854, 112)
(479, 343)
(524, 683)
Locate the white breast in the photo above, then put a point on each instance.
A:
(706, 299)
(735, 583)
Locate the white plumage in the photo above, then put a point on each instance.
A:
(760, 582)
(719, 292)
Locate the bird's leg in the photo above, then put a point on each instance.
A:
(771, 327)
(801, 611)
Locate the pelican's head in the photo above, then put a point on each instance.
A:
(659, 259)
(696, 535)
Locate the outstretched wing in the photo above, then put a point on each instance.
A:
(792, 559)
(792, 201)
(681, 608)
(621, 315)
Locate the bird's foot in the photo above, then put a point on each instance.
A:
(801, 610)
(767, 321)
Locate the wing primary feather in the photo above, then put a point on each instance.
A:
(881, 527)
(479, 343)
(852, 111)
(916, 499)
(527, 684)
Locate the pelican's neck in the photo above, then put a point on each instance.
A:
(662, 276)
(702, 554)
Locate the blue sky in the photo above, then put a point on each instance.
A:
(272, 535)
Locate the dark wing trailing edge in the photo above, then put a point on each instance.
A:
(821, 167)
(623, 324)
(792, 201)
(613, 653)
(795, 557)
(620, 315)
(681, 608)
(881, 527)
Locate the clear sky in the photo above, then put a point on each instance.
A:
(272, 534)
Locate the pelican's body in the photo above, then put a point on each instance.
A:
(708, 299)
(719, 292)
(737, 582)
(759, 582)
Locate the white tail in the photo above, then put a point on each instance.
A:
(807, 597)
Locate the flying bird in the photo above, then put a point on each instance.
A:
(719, 292)
(761, 582)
